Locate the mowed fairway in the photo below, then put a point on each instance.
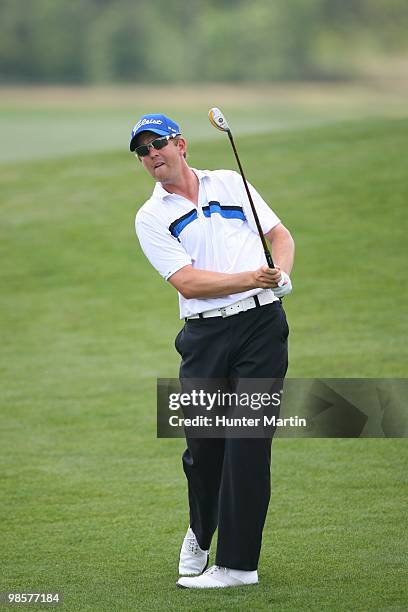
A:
(93, 505)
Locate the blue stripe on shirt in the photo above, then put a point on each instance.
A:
(228, 212)
(179, 224)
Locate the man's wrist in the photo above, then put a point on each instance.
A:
(252, 284)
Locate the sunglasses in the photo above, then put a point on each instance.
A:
(157, 143)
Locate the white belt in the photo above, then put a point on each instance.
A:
(266, 296)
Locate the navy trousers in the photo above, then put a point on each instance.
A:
(229, 478)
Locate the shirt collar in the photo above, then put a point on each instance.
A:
(160, 192)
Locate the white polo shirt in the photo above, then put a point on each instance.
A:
(219, 234)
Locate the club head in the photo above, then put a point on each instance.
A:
(218, 120)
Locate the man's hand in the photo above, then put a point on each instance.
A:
(273, 278)
(267, 278)
(284, 287)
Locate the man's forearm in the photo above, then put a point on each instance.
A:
(194, 283)
(283, 250)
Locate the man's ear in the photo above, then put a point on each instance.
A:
(181, 144)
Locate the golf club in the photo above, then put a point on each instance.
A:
(218, 120)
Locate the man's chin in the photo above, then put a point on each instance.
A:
(161, 173)
(162, 177)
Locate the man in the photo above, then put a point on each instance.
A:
(198, 231)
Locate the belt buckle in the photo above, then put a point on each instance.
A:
(223, 312)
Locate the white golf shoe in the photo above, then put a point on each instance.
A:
(217, 577)
(193, 560)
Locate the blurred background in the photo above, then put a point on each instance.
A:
(82, 64)
(104, 41)
(316, 94)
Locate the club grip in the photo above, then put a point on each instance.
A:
(269, 259)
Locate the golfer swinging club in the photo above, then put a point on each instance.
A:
(198, 231)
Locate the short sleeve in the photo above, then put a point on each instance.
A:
(164, 252)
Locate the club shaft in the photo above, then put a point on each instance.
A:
(268, 255)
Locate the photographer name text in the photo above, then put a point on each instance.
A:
(223, 421)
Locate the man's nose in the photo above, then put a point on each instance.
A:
(152, 151)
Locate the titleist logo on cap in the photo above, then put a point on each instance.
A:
(146, 122)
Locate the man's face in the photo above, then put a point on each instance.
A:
(164, 164)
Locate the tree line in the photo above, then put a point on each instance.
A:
(96, 41)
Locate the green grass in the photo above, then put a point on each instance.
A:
(93, 504)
